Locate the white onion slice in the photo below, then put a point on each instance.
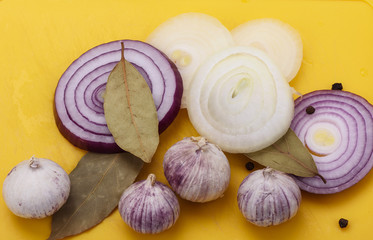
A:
(278, 39)
(339, 134)
(240, 101)
(188, 39)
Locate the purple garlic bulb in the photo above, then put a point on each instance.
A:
(197, 170)
(268, 197)
(149, 206)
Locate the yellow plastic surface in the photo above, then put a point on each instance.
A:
(40, 38)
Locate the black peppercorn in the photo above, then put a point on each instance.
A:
(310, 110)
(249, 166)
(343, 222)
(337, 86)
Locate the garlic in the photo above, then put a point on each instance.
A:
(268, 197)
(149, 206)
(197, 170)
(36, 188)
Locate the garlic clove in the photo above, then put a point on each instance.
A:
(196, 169)
(268, 197)
(149, 206)
(36, 188)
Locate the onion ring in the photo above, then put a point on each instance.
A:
(339, 134)
(78, 102)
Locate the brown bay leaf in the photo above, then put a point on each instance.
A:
(288, 155)
(130, 111)
(97, 184)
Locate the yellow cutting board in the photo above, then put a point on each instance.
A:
(40, 38)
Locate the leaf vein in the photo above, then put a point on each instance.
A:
(295, 159)
(89, 195)
(129, 102)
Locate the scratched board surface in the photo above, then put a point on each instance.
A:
(40, 38)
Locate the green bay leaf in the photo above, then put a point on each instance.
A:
(130, 111)
(288, 155)
(97, 184)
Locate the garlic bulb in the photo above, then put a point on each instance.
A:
(36, 188)
(197, 170)
(268, 197)
(149, 206)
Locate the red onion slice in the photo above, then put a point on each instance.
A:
(339, 134)
(78, 99)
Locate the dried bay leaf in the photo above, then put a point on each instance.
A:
(97, 184)
(288, 155)
(130, 111)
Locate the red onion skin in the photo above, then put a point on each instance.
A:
(98, 147)
(112, 147)
(170, 116)
(354, 108)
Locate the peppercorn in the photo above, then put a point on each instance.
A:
(249, 166)
(337, 86)
(343, 223)
(310, 110)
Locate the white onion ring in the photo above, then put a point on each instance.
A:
(240, 101)
(188, 39)
(78, 99)
(339, 116)
(278, 39)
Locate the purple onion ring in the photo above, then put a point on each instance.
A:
(78, 102)
(349, 118)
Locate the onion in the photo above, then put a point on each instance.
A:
(240, 101)
(339, 134)
(78, 99)
(188, 39)
(278, 39)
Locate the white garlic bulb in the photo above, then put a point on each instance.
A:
(36, 188)
(268, 197)
(197, 170)
(149, 206)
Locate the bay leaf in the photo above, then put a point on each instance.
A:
(288, 155)
(130, 111)
(97, 184)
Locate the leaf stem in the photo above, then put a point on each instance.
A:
(122, 50)
(322, 178)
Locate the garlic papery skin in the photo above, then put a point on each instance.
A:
(149, 206)
(36, 188)
(268, 197)
(196, 169)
